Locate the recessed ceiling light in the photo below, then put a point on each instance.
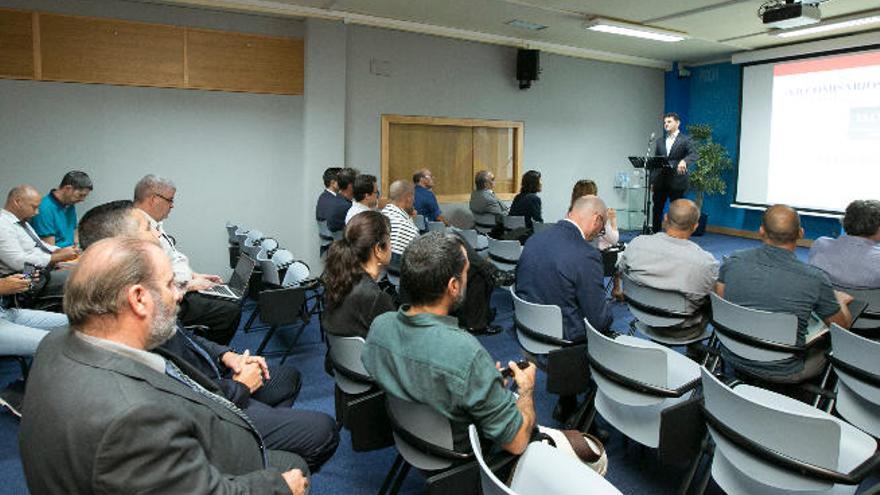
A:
(531, 26)
(622, 28)
(832, 26)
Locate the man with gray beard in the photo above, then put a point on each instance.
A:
(105, 415)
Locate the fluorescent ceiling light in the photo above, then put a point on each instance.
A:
(531, 26)
(634, 30)
(832, 26)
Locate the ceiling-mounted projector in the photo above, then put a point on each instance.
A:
(791, 15)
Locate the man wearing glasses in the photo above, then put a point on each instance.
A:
(155, 196)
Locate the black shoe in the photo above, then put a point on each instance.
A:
(490, 330)
(12, 397)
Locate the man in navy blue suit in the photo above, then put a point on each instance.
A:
(342, 201)
(671, 182)
(328, 195)
(559, 266)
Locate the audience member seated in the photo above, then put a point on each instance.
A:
(852, 260)
(559, 266)
(403, 229)
(483, 200)
(56, 222)
(155, 196)
(264, 394)
(143, 422)
(419, 354)
(425, 201)
(610, 236)
(527, 203)
(21, 331)
(771, 278)
(354, 264)
(340, 205)
(325, 199)
(366, 196)
(671, 261)
(20, 244)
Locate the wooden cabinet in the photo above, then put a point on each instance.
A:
(16, 44)
(238, 62)
(113, 52)
(54, 47)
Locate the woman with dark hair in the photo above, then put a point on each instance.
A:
(353, 265)
(611, 237)
(527, 203)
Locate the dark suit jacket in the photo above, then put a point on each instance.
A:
(98, 422)
(323, 207)
(559, 267)
(682, 149)
(336, 212)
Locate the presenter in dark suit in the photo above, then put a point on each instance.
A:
(671, 182)
(102, 414)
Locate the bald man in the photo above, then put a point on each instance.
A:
(143, 423)
(771, 278)
(671, 261)
(559, 266)
(20, 244)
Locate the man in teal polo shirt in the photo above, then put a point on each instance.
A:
(56, 222)
(421, 355)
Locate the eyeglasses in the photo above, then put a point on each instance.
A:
(170, 200)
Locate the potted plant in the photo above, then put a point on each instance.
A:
(706, 177)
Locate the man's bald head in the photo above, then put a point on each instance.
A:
(589, 213)
(23, 201)
(399, 190)
(781, 225)
(99, 283)
(683, 215)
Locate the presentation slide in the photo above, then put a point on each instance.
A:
(810, 134)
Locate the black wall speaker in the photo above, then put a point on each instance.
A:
(528, 67)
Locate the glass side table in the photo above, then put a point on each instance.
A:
(629, 187)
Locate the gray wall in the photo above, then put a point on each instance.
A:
(257, 159)
(581, 119)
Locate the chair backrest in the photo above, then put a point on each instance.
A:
(776, 422)
(631, 357)
(544, 319)
(282, 258)
(490, 483)
(470, 236)
(484, 222)
(861, 354)
(436, 227)
(415, 423)
(504, 254)
(765, 325)
(254, 237)
(240, 235)
(269, 272)
(514, 222)
(297, 271)
(539, 226)
(230, 232)
(419, 220)
(654, 307)
(345, 355)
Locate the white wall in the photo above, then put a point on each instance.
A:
(258, 159)
(582, 118)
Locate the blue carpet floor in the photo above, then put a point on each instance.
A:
(631, 469)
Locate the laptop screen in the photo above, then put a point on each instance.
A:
(242, 274)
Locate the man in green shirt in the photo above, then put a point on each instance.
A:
(420, 354)
(56, 221)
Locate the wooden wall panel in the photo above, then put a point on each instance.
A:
(494, 150)
(239, 62)
(108, 51)
(446, 150)
(16, 44)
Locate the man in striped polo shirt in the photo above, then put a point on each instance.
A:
(403, 229)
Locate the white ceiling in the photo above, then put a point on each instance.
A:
(716, 28)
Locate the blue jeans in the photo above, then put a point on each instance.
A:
(21, 330)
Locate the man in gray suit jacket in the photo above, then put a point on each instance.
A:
(483, 199)
(104, 415)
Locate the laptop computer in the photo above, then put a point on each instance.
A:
(237, 285)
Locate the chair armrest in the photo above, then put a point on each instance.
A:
(645, 388)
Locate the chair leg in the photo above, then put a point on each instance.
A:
(392, 473)
(251, 319)
(692, 469)
(293, 344)
(585, 413)
(265, 340)
(395, 489)
(707, 472)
